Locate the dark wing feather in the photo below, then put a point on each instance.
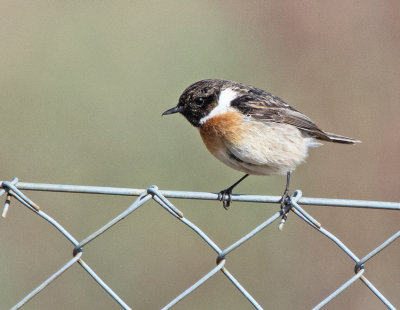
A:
(263, 106)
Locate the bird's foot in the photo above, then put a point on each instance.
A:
(222, 196)
(228, 192)
(285, 202)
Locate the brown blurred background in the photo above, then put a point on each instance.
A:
(83, 85)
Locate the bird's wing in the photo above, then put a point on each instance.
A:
(263, 106)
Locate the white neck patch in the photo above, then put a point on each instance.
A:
(224, 103)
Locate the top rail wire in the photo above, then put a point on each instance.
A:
(14, 189)
(331, 202)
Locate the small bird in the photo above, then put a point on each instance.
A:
(250, 130)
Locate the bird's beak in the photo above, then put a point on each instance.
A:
(173, 110)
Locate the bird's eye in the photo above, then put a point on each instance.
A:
(199, 101)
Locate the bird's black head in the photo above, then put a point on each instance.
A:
(198, 100)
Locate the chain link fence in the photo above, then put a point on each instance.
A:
(13, 190)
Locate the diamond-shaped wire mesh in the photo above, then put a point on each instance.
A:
(13, 190)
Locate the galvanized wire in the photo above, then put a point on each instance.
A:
(13, 190)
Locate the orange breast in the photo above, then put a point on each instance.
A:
(220, 129)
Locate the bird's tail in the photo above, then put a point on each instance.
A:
(340, 139)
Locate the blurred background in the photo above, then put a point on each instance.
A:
(82, 88)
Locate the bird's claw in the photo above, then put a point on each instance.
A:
(285, 202)
(222, 197)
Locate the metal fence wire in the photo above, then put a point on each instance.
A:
(13, 190)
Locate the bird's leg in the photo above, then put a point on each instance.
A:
(285, 200)
(222, 194)
(286, 196)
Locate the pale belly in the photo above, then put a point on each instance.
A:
(260, 148)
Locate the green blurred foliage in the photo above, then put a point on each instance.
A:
(82, 88)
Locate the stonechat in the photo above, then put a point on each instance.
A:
(250, 130)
